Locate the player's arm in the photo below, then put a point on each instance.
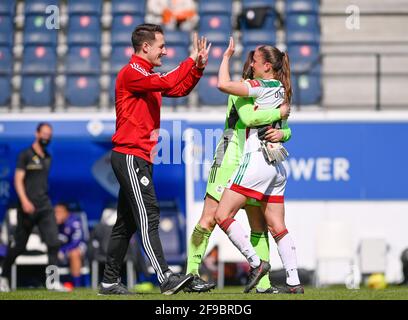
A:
(287, 132)
(252, 117)
(275, 135)
(200, 52)
(184, 87)
(225, 84)
(19, 176)
(138, 80)
(76, 237)
(26, 204)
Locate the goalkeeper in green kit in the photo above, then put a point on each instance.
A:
(240, 115)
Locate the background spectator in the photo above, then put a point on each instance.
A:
(73, 246)
(173, 14)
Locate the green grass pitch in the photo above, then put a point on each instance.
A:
(228, 293)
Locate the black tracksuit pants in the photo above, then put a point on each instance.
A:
(138, 209)
(45, 219)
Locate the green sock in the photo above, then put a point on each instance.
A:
(196, 249)
(260, 242)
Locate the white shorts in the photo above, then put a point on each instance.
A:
(257, 179)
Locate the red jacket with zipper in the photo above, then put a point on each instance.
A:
(138, 97)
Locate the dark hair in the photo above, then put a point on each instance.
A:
(42, 124)
(63, 204)
(144, 33)
(247, 72)
(280, 66)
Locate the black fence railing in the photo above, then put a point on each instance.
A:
(373, 72)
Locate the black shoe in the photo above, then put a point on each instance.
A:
(298, 289)
(116, 289)
(199, 285)
(175, 282)
(256, 274)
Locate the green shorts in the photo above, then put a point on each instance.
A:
(218, 179)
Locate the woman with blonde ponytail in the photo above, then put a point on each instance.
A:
(261, 174)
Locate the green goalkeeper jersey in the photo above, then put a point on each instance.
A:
(240, 116)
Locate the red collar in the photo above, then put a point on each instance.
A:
(141, 62)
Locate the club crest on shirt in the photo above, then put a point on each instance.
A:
(36, 159)
(254, 83)
(144, 181)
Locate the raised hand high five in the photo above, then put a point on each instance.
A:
(230, 50)
(203, 52)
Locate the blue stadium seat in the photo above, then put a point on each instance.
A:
(84, 29)
(303, 21)
(304, 58)
(39, 59)
(257, 37)
(258, 3)
(307, 89)
(215, 57)
(177, 37)
(83, 59)
(7, 7)
(306, 73)
(6, 59)
(217, 28)
(175, 54)
(82, 90)
(208, 92)
(269, 22)
(302, 6)
(36, 32)
(6, 30)
(123, 26)
(37, 90)
(128, 7)
(88, 6)
(302, 28)
(119, 57)
(5, 89)
(214, 7)
(38, 6)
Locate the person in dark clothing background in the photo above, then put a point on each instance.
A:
(138, 96)
(34, 207)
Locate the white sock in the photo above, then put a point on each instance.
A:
(108, 285)
(240, 239)
(287, 253)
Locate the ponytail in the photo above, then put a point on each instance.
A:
(247, 72)
(285, 77)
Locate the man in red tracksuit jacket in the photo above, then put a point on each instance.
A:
(138, 99)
